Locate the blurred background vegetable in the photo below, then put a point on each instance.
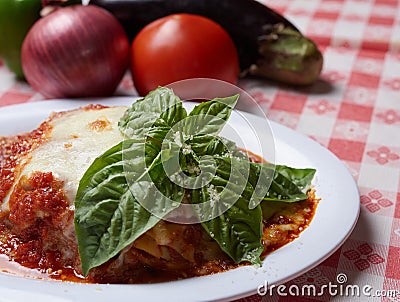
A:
(16, 18)
(287, 56)
(182, 46)
(260, 34)
(76, 51)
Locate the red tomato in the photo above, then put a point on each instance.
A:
(179, 47)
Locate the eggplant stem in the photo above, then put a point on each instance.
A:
(286, 55)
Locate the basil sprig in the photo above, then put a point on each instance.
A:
(108, 217)
(132, 186)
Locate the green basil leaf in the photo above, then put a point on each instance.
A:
(238, 230)
(288, 184)
(108, 216)
(215, 145)
(300, 177)
(283, 189)
(208, 118)
(148, 181)
(160, 108)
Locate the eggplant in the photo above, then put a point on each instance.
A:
(268, 44)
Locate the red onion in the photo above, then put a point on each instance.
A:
(75, 51)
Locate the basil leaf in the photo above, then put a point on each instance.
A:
(108, 216)
(300, 177)
(215, 145)
(237, 230)
(300, 183)
(148, 181)
(288, 184)
(208, 118)
(283, 189)
(160, 108)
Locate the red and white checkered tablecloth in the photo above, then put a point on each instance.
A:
(354, 111)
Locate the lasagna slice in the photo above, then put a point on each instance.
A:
(39, 177)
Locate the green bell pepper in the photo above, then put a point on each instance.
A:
(16, 18)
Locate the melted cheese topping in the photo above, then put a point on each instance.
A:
(76, 139)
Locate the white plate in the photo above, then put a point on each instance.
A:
(335, 218)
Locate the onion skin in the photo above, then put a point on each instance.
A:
(76, 51)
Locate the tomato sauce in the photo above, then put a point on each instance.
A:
(13, 149)
(274, 237)
(37, 208)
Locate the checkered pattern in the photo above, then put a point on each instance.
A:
(353, 110)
